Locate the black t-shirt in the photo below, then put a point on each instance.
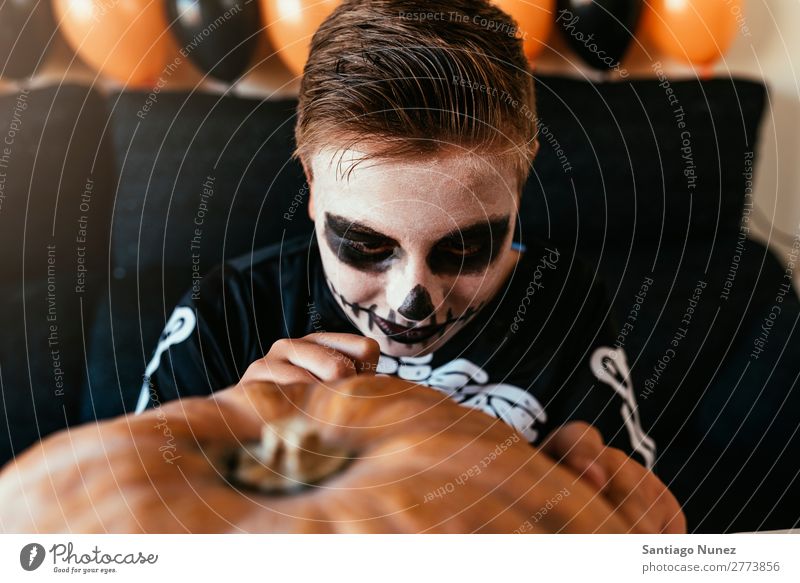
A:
(538, 355)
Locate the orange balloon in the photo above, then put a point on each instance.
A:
(123, 39)
(290, 25)
(535, 20)
(694, 31)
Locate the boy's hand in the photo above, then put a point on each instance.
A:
(637, 493)
(321, 356)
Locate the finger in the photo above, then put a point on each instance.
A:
(579, 446)
(628, 488)
(657, 504)
(673, 520)
(321, 361)
(574, 438)
(364, 351)
(324, 362)
(588, 469)
(277, 371)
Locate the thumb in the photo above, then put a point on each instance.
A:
(578, 446)
(368, 364)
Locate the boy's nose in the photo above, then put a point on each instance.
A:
(412, 292)
(417, 305)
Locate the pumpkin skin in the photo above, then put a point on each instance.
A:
(410, 452)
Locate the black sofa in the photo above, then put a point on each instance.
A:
(116, 184)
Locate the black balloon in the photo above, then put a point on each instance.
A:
(220, 36)
(600, 31)
(26, 29)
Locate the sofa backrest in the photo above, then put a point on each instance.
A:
(56, 187)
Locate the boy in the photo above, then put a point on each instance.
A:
(416, 131)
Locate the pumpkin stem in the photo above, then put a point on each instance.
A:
(289, 456)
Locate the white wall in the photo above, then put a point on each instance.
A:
(772, 53)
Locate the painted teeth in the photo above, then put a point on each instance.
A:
(391, 317)
(370, 322)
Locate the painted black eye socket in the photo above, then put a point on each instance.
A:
(459, 249)
(454, 257)
(369, 249)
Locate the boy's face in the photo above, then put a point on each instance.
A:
(413, 249)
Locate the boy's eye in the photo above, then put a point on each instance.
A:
(370, 248)
(460, 250)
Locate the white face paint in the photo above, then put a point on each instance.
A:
(413, 249)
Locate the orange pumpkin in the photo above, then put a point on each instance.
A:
(370, 454)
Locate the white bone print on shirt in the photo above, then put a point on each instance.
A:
(510, 404)
(611, 367)
(178, 328)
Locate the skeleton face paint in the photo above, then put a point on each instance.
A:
(412, 250)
